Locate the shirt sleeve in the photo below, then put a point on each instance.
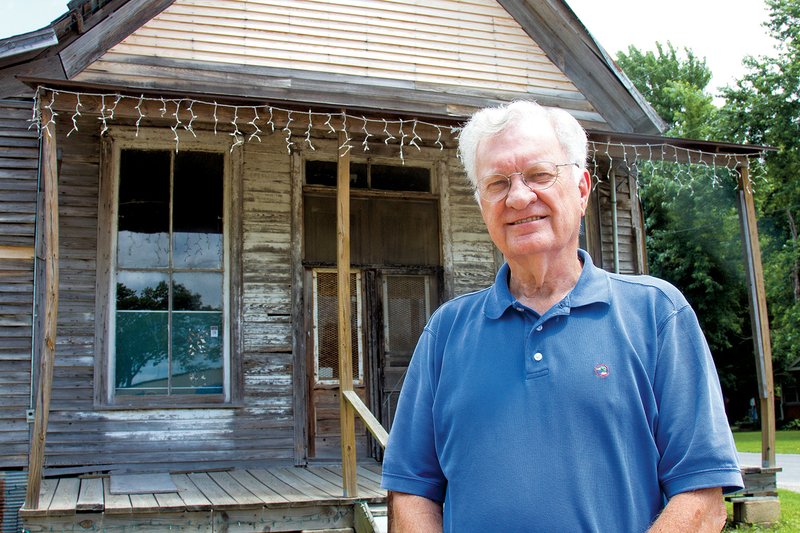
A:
(692, 433)
(411, 464)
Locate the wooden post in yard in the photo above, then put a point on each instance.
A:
(49, 171)
(347, 421)
(758, 317)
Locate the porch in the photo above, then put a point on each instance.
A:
(253, 499)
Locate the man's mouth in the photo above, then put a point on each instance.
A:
(524, 220)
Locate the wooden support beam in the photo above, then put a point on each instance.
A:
(758, 317)
(50, 286)
(346, 410)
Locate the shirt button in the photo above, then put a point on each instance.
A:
(537, 356)
(518, 308)
(539, 327)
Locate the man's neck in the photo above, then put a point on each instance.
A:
(540, 283)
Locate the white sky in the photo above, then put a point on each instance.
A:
(722, 31)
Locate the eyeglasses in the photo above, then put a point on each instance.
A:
(537, 177)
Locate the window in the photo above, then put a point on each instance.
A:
(371, 176)
(326, 327)
(169, 318)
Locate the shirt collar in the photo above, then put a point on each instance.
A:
(592, 287)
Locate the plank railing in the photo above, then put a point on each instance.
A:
(372, 423)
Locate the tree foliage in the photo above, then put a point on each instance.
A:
(763, 107)
(691, 219)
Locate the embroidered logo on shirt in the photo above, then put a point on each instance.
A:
(602, 370)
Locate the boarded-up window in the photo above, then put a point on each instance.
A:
(169, 323)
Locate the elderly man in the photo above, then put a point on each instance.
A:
(563, 397)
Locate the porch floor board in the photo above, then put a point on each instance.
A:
(72, 498)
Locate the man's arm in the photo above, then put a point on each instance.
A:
(700, 511)
(409, 513)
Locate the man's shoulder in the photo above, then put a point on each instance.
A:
(642, 286)
(468, 304)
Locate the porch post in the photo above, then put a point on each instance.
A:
(346, 411)
(758, 316)
(49, 171)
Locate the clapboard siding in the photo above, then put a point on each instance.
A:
(473, 263)
(19, 151)
(472, 48)
(382, 39)
(628, 231)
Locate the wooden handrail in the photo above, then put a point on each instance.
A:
(372, 423)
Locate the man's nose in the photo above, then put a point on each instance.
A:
(519, 194)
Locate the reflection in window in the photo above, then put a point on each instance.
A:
(169, 328)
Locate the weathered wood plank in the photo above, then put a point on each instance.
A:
(213, 492)
(189, 493)
(65, 498)
(234, 489)
(90, 497)
(279, 486)
(115, 503)
(263, 492)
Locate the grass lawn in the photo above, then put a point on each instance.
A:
(750, 441)
(785, 442)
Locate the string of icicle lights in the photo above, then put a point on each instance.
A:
(684, 165)
(400, 132)
(250, 122)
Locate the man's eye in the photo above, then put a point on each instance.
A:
(495, 185)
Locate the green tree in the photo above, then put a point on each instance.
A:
(763, 107)
(691, 219)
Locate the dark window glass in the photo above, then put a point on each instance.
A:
(325, 173)
(169, 299)
(394, 178)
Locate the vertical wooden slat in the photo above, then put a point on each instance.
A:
(50, 286)
(758, 317)
(346, 411)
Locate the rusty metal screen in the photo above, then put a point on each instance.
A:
(406, 310)
(326, 326)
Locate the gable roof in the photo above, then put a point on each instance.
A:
(560, 66)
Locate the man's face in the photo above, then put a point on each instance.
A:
(527, 224)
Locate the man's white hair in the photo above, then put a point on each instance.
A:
(492, 120)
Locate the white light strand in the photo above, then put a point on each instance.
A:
(52, 114)
(114, 107)
(414, 137)
(238, 138)
(177, 124)
(389, 136)
(141, 115)
(192, 118)
(308, 132)
(346, 143)
(216, 120)
(402, 141)
(367, 134)
(438, 141)
(75, 116)
(102, 116)
(270, 121)
(257, 130)
(288, 131)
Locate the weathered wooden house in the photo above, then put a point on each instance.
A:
(168, 232)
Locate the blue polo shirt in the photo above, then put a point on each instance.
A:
(587, 418)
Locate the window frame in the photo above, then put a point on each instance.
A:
(112, 145)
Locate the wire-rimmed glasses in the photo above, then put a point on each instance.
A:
(537, 177)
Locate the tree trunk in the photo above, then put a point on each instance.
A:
(795, 266)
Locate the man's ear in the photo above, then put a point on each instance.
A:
(585, 188)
